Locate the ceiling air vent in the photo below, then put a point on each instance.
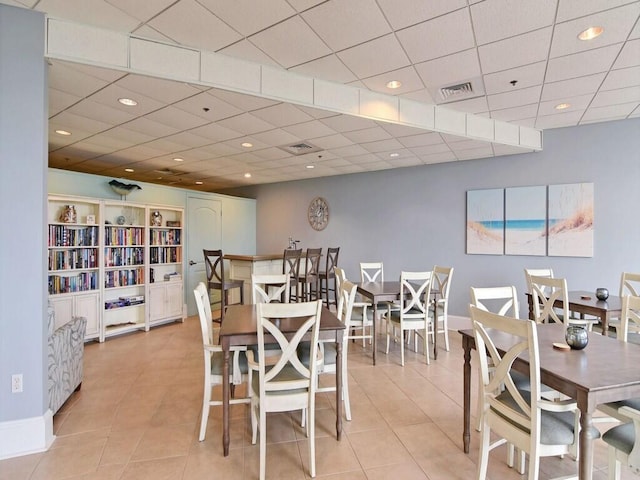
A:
(300, 148)
(455, 91)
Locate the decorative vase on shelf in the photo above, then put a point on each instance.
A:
(602, 293)
(576, 337)
(156, 219)
(68, 214)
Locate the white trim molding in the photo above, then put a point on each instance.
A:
(26, 436)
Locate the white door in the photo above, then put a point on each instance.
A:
(204, 227)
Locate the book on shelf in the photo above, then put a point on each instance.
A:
(172, 277)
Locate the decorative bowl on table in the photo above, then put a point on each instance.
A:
(576, 337)
(602, 293)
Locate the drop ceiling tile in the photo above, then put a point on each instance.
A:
(59, 101)
(188, 140)
(431, 149)
(73, 81)
(558, 120)
(310, 130)
(290, 43)
(141, 10)
(241, 100)
(110, 94)
(635, 113)
(150, 128)
(514, 52)
(246, 123)
(103, 113)
(473, 105)
(276, 137)
(99, 14)
(345, 23)
(449, 70)
(216, 109)
(282, 114)
(495, 20)
(435, 38)
(317, 112)
(407, 76)
(367, 135)
(615, 97)
(411, 161)
(272, 153)
(216, 133)
(617, 23)
(398, 130)
(382, 145)
(422, 95)
(581, 64)
(249, 16)
(158, 89)
(525, 76)
(348, 123)
(150, 33)
(629, 55)
(610, 112)
(363, 159)
(438, 157)
(174, 117)
(569, 9)
(75, 123)
(332, 141)
(404, 13)
(420, 140)
(348, 151)
(517, 113)
(328, 68)
(468, 145)
(577, 103)
(572, 87)
(515, 98)
(246, 50)
(189, 23)
(374, 57)
(626, 77)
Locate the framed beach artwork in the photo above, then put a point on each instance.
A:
(485, 221)
(525, 221)
(571, 220)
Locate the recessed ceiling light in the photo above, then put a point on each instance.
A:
(591, 33)
(199, 183)
(63, 132)
(130, 170)
(394, 84)
(393, 155)
(247, 175)
(247, 145)
(178, 159)
(128, 102)
(311, 166)
(562, 106)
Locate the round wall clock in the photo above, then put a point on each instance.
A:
(318, 213)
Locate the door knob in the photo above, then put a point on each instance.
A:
(191, 262)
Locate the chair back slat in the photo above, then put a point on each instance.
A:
(500, 300)
(371, 272)
(270, 288)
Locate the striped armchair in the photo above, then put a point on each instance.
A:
(66, 351)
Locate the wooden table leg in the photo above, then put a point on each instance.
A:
(339, 387)
(585, 467)
(225, 400)
(604, 320)
(466, 429)
(375, 335)
(435, 330)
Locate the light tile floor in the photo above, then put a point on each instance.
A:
(137, 417)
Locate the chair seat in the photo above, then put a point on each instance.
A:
(329, 353)
(217, 363)
(287, 374)
(621, 437)
(227, 285)
(556, 427)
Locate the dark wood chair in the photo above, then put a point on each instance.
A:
(328, 278)
(216, 280)
(291, 265)
(309, 281)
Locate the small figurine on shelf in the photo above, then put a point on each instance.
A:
(68, 214)
(156, 218)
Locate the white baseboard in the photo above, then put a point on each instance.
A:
(458, 323)
(26, 436)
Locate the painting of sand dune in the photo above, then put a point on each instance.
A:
(525, 221)
(571, 220)
(485, 221)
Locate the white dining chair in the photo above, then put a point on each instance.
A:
(267, 288)
(545, 292)
(441, 283)
(523, 418)
(624, 444)
(413, 312)
(360, 317)
(214, 360)
(285, 384)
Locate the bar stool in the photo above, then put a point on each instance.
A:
(327, 275)
(214, 263)
(309, 281)
(291, 265)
